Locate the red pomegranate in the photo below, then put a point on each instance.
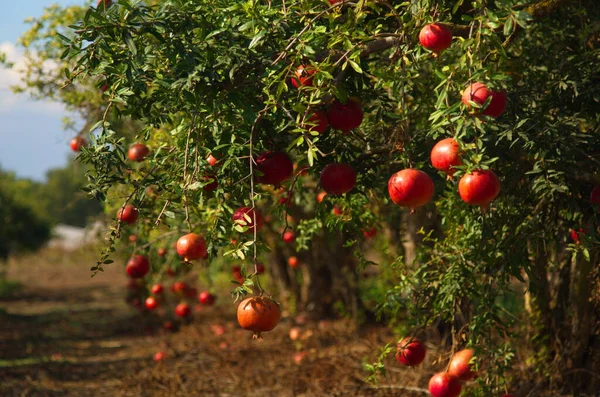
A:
(206, 298)
(461, 364)
(435, 37)
(479, 93)
(289, 236)
(183, 310)
(107, 3)
(317, 122)
(410, 188)
(138, 152)
(127, 214)
(258, 314)
(138, 266)
(159, 356)
(321, 197)
(239, 218)
(303, 76)
(161, 251)
(179, 287)
(260, 268)
(370, 233)
(191, 247)
(334, 2)
(576, 235)
(77, 143)
(445, 155)
(133, 238)
(595, 196)
(275, 167)
(479, 188)
(338, 178)
(212, 160)
(410, 351)
(345, 116)
(443, 384)
(151, 303)
(293, 262)
(157, 289)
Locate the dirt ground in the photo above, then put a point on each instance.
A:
(66, 334)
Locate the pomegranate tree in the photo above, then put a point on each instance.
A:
(138, 152)
(436, 37)
(410, 188)
(338, 178)
(410, 351)
(479, 94)
(258, 314)
(445, 155)
(345, 116)
(191, 247)
(275, 167)
(138, 266)
(479, 187)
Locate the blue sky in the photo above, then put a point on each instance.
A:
(32, 139)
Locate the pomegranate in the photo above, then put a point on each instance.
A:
(289, 236)
(258, 314)
(479, 93)
(151, 303)
(300, 356)
(206, 298)
(275, 167)
(260, 268)
(104, 87)
(191, 247)
(239, 218)
(213, 183)
(159, 356)
(435, 37)
(410, 188)
(157, 289)
(293, 262)
(479, 188)
(294, 333)
(161, 251)
(183, 310)
(133, 238)
(443, 384)
(576, 235)
(337, 210)
(179, 287)
(127, 214)
(334, 2)
(303, 76)
(107, 3)
(338, 178)
(77, 143)
(138, 152)
(410, 351)
(317, 122)
(138, 266)
(460, 365)
(370, 233)
(345, 116)
(445, 155)
(595, 196)
(321, 197)
(212, 160)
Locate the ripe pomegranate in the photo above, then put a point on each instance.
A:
(338, 178)
(260, 268)
(479, 188)
(460, 365)
(77, 143)
(334, 2)
(321, 197)
(275, 167)
(212, 160)
(337, 210)
(138, 266)
(161, 252)
(435, 37)
(445, 155)
(345, 116)
(369, 233)
(212, 185)
(151, 303)
(293, 262)
(157, 289)
(595, 196)
(410, 351)
(443, 384)
(410, 188)
(237, 274)
(159, 356)
(137, 152)
(179, 287)
(303, 76)
(206, 298)
(576, 235)
(479, 93)
(183, 310)
(294, 333)
(317, 122)
(127, 214)
(191, 247)
(258, 314)
(133, 238)
(239, 218)
(289, 236)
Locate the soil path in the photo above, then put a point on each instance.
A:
(65, 334)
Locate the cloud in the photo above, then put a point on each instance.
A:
(10, 101)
